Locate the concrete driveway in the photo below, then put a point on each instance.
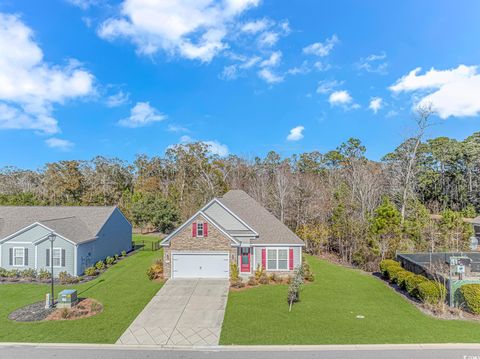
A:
(184, 312)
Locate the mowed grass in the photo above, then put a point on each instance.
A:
(123, 289)
(328, 310)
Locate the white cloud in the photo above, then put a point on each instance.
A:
(268, 39)
(194, 29)
(321, 66)
(344, 99)
(453, 92)
(273, 60)
(257, 26)
(324, 87)
(374, 63)
(296, 133)
(117, 99)
(376, 103)
(29, 87)
(142, 114)
(269, 76)
(84, 4)
(214, 147)
(177, 128)
(321, 49)
(58, 143)
(229, 72)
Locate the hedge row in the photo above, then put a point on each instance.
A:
(428, 291)
(471, 296)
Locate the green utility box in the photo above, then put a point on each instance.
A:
(67, 298)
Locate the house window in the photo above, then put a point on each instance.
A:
(200, 229)
(18, 257)
(277, 259)
(57, 257)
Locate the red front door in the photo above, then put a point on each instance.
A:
(245, 260)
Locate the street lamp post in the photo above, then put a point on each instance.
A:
(52, 237)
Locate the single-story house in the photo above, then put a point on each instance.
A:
(82, 236)
(231, 229)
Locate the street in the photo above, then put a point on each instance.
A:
(19, 351)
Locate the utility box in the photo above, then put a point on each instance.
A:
(67, 298)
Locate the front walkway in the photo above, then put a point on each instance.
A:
(184, 312)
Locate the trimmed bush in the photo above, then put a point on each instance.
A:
(392, 272)
(124, 254)
(234, 272)
(412, 282)
(431, 292)
(471, 296)
(385, 264)
(401, 277)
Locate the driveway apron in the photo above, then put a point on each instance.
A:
(184, 312)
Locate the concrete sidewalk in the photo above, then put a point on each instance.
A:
(184, 312)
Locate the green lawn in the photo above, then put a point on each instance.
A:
(145, 240)
(327, 314)
(123, 289)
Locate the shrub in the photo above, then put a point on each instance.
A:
(91, 271)
(43, 274)
(155, 271)
(237, 283)
(293, 294)
(3, 273)
(252, 281)
(14, 273)
(385, 264)
(100, 265)
(307, 273)
(263, 279)
(116, 256)
(470, 294)
(109, 260)
(28, 273)
(234, 273)
(124, 253)
(275, 278)
(259, 272)
(431, 292)
(412, 282)
(66, 278)
(392, 272)
(402, 278)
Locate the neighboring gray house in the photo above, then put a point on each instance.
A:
(231, 229)
(84, 235)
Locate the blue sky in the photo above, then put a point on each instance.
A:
(80, 78)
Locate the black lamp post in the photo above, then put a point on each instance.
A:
(52, 237)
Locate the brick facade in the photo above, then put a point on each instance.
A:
(184, 241)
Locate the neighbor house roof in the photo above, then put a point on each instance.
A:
(78, 224)
(270, 230)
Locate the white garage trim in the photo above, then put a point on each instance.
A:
(210, 264)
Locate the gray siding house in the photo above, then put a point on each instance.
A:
(83, 236)
(231, 229)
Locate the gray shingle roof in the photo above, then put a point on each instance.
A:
(269, 228)
(78, 224)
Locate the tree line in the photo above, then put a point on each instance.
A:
(339, 202)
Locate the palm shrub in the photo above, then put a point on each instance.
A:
(91, 271)
(100, 265)
(259, 272)
(470, 294)
(109, 260)
(234, 273)
(44, 274)
(431, 292)
(124, 253)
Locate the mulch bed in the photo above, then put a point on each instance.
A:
(86, 307)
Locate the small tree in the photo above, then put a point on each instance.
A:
(295, 287)
(385, 228)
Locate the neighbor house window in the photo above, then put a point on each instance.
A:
(57, 257)
(277, 259)
(19, 256)
(200, 229)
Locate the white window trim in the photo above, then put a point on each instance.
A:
(59, 258)
(23, 257)
(276, 249)
(203, 230)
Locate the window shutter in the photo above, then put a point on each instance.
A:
(290, 258)
(47, 261)
(194, 229)
(264, 258)
(63, 258)
(25, 253)
(205, 229)
(10, 256)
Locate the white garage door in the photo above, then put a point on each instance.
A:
(211, 265)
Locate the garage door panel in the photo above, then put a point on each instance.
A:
(204, 265)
